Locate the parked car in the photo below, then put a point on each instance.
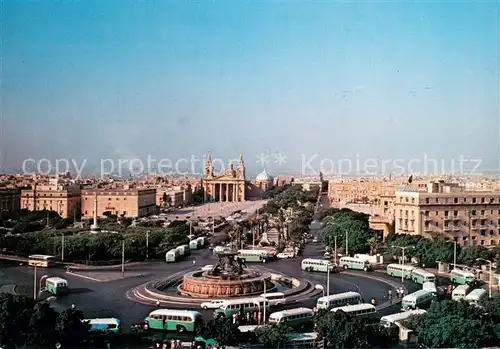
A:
(213, 304)
(285, 255)
(207, 267)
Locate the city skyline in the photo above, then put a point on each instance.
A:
(341, 80)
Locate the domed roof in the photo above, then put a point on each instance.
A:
(264, 176)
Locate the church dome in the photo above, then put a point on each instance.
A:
(264, 177)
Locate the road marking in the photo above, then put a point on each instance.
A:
(84, 276)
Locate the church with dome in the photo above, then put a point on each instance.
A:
(231, 184)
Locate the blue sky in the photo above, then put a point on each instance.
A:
(173, 79)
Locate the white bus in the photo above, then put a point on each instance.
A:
(390, 320)
(400, 270)
(338, 300)
(461, 277)
(431, 287)
(311, 264)
(105, 325)
(355, 263)
(41, 260)
(460, 292)
(233, 306)
(261, 256)
(298, 317)
(476, 296)
(418, 299)
(274, 298)
(364, 309)
(420, 276)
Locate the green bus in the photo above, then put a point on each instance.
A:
(56, 285)
(183, 250)
(355, 263)
(420, 276)
(107, 325)
(338, 300)
(259, 256)
(399, 270)
(311, 264)
(461, 277)
(418, 299)
(193, 245)
(174, 320)
(358, 310)
(171, 256)
(295, 318)
(234, 306)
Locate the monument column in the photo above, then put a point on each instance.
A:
(234, 192)
(227, 192)
(220, 192)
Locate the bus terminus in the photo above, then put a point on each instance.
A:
(56, 285)
(355, 263)
(295, 318)
(400, 270)
(310, 264)
(338, 300)
(420, 276)
(461, 277)
(174, 320)
(260, 256)
(234, 306)
(41, 260)
(364, 309)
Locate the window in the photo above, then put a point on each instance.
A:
(482, 212)
(455, 213)
(437, 200)
(473, 212)
(456, 200)
(427, 200)
(482, 200)
(446, 213)
(473, 200)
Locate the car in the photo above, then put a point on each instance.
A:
(207, 267)
(315, 240)
(284, 255)
(213, 304)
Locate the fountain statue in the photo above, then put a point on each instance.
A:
(228, 267)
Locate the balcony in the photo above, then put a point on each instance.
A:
(448, 228)
(447, 218)
(427, 218)
(457, 228)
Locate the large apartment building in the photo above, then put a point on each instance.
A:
(10, 199)
(125, 202)
(58, 195)
(469, 217)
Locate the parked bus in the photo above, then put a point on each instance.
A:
(171, 256)
(400, 270)
(183, 250)
(431, 287)
(460, 292)
(295, 318)
(461, 277)
(201, 241)
(107, 325)
(418, 299)
(56, 285)
(355, 263)
(234, 306)
(302, 340)
(174, 320)
(475, 296)
(193, 245)
(338, 300)
(260, 256)
(390, 320)
(311, 264)
(274, 298)
(363, 309)
(41, 260)
(420, 276)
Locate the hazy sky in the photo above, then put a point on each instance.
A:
(173, 79)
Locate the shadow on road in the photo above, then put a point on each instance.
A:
(80, 290)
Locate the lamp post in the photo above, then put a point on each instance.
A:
(403, 248)
(147, 245)
(328, 279)
(454, 253)
(123, 258)
(491, 272)
(34, 284)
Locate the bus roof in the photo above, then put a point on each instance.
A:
(355, 307)
(174, 312)
(294, 311)
(461, 287)
(462, 272)
(422, 272)
(340, 296)
(252, 251)
(272, 294)
(247, 328)
(303, 336)
(324, 261)
(244, 300)
(43, 256)
(478, 292)
(56, 279)
(402, 315)
(416, 294)
(400, 266)
(103, 321)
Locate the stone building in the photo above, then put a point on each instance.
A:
(10, 199)
(230, 185)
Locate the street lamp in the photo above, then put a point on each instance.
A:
(403, 248)
(454, 253)
(491, 272)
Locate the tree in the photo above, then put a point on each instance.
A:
(273, 336)
(222, 330)
(354, 224)
(42, 325)
(72, 330)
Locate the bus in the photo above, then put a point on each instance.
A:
(431, 287)
(418, 299)
(107, 325)
(295, 318)
(174, 320)
(41, 260)
(193, 245)
(390, 320)
(419, 276)
(361, 310)
(171, 256)
(338, 300)
(311, 264)
(355, 263)
(260, 256)
(183, 250)
(56, 285)
(303, 340)
(461, 277)
(400, 270)
(476, 296)
(460, 292)
(274, 298)
(234, 306)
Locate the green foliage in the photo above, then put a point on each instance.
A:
(198, 196)
(274, 335)
(70, 327)
(451, 324)
(222, 330)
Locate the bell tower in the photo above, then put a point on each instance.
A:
(209, 167)
(240, 169)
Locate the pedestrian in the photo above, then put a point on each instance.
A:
(73, 306)
(255, 317)
(234, 319)
(157, 304)
(260, 318)
(248, 317)
(402, 292)
(374, 302)
(390, 295)
(194, 262)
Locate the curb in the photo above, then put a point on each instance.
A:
(84, 277)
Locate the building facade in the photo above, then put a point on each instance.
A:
(230, 185)
(10, 199)
(469, 217)
(58, 195)
(124, 202)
